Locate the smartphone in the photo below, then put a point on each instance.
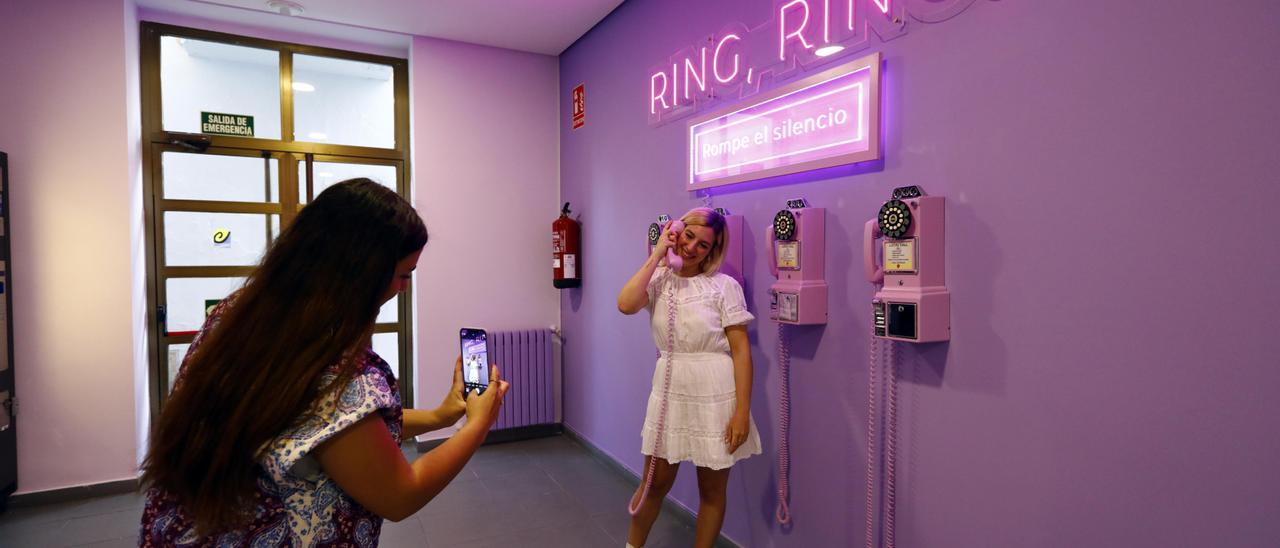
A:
(475, 360)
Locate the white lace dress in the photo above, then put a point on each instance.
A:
(703, 394)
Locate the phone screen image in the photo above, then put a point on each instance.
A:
(475, 360)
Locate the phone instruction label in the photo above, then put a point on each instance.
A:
(900, 256)
(788, 255)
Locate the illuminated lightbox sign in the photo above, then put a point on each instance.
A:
(829, 119)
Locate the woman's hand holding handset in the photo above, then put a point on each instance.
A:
(633, 297)
(667, 244)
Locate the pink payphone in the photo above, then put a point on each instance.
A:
(797, 257)
(913, 303)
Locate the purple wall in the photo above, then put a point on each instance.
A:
(1111, 378)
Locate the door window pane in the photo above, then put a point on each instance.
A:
(177, 353)
(198, 76)
(193, 238)
(219, 178)
(387, 346)
(186, 299)
(390, 311)
(343, 102)
(328, 174)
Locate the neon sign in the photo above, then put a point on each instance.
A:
(800, 34)
(831, 118)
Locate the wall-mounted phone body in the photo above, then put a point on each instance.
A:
(913, 303)
(797, 257)
(732, 264)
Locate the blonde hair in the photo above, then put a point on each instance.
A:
(705, 216)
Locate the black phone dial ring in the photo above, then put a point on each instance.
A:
(655, 232)
(784, 225)
(894, 218)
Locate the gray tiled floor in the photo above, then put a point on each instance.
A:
(542, 492)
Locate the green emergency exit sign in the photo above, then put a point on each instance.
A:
(218, 123)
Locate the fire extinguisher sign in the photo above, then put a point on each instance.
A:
(580, 106)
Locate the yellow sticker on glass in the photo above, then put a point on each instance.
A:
(221, 235)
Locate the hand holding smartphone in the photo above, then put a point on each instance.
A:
(475, 360)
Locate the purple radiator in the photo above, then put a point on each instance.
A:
(526, 361)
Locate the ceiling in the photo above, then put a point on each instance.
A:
(539, 26)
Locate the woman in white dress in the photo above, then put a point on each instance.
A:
(708, 405)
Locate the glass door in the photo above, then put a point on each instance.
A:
(215, 213)
(317, 172)
(242, 132)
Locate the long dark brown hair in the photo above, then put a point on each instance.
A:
(312, 300)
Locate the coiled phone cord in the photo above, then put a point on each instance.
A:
(634, 506)
(873, 393)
(874, 375)
(783, 513)
(891, 446)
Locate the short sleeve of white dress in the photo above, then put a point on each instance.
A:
(733, 304)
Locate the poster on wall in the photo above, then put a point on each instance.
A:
(831, 118)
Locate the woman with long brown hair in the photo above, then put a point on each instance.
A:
(283, 426)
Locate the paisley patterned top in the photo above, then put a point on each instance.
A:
(296, 503)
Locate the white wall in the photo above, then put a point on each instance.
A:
(486, 179)
(67, 123)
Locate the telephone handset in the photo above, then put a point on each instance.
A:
(674, 260)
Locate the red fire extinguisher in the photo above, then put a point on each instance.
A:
(566, 250)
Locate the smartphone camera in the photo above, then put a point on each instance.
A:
(475, 360)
